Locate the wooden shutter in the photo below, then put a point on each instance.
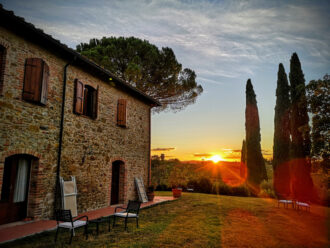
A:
(95, 95)
(121, 112)
(33, 79)
(44, 84)
(2, 66)
(78, 97)
(86, 106)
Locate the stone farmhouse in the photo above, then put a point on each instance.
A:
(62, 115)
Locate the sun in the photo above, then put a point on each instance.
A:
(216, 158)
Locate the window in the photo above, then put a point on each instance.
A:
(85, 100)
(35, 88)
(121, 112)
(2, 66)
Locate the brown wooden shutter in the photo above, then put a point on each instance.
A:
(2, 66)
(33, 79)
(86, 106)
(121, 112)
(78, 97)
(95, 95)
(44, 84)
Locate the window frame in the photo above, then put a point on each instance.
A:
(36, 80)
(85, 100)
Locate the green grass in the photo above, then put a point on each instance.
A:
(201, 220)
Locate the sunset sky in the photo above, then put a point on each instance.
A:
(224, 42)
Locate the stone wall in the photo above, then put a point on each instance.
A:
(89, 146)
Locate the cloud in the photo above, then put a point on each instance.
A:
(231, 150)
(267, 152)
(200, 155)
(232, 157)
(163, 149)
(218, 39)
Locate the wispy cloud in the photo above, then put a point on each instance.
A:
(231, 150)
(216, 38)
(202, 155)
(267, 152)
(163, 149)
(232, 157)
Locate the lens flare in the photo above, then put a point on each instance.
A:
(216, 158)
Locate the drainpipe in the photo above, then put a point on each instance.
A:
(149, 152)
(61, 136)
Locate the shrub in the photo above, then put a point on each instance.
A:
(327, 199)
(151, 188)
(224, 189)
(214, 189)
(163, 187)
(205, 185)
(266, 189)
(240, 191)
(193, 184)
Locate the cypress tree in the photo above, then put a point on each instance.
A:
(254, 161)
(281, 148)
(302, 184)
(243, 160)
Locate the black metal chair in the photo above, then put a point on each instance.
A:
(65, 221)
(131, 211)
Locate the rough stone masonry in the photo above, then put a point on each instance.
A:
(89, 147)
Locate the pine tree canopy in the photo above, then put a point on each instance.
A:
(154, 71)
(318, 96)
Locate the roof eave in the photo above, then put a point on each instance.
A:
(18, 25)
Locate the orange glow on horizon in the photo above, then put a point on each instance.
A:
(216, 158)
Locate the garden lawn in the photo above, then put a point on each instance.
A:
(202, 220)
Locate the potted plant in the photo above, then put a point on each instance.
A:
(151, 193)
(176, 191)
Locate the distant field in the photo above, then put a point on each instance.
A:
(201, 220)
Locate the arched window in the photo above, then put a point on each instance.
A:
(2, 66)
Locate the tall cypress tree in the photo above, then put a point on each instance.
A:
(243, 160)
(254, 161)
(281, 148)
(302, 184)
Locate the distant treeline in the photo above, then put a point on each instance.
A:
(201, 176)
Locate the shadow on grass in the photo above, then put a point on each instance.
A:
(201, 220)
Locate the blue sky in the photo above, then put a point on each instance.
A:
(224, 42)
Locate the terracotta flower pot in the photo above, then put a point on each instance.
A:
(151, 196)
(176, 193)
